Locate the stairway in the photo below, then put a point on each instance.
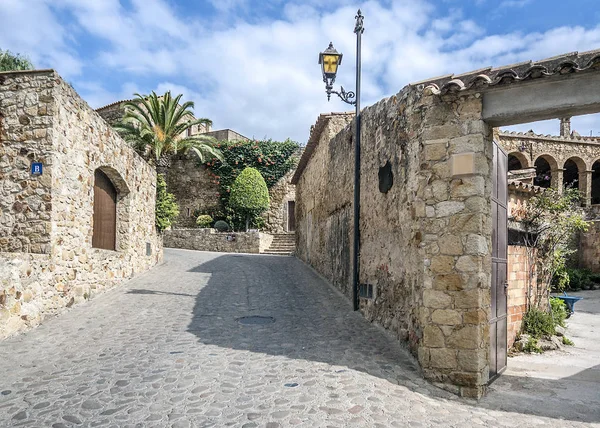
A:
(284, 244)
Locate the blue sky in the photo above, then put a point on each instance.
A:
(252, 65)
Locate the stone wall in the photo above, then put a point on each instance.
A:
(194, 188)
(46, 121)
(589, 247)
(211, 240)
(425, 244)
(277, 216)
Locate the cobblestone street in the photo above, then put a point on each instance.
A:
(166, 350)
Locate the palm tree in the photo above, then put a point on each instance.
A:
(157, 127)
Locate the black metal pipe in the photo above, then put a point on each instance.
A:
(358, 29)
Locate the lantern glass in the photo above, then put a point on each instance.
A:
(330, 60)
(330, 64)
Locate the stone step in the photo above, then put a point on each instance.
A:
(278, 253)
(282, 246)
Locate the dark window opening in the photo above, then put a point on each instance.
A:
(543, 173)
(596, 183)
(514, 163)
(571, 175)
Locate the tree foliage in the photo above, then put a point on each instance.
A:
(10, 61)
(167, 209)
(550, 222)
(273, 159)
(157, 126)
(249, 194)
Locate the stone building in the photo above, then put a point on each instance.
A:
(76, 202)
(433, 246)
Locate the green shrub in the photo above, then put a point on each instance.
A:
(249, 195)
(538, 323)
(579, 278)
(559, 311)
(595, 278)
(567, 341)
(221, 226)
(204, 220)
(532, 347)
(167, 209)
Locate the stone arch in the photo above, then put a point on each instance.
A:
(595, 183)
(517, 160)
(546, 167)
(112, 193)
(572, 170)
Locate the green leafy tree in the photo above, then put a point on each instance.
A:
(550, 222)
(157, 128)
(167, 209)
(249, 195)
(11, 62)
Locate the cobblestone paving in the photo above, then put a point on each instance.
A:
(166, 350)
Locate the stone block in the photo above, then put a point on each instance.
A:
(433, 337)
(441, 264)
(462, 164)
(435, 299)
(434, 152)
(467, 264)
(467, 186)
(446, 317)
(450, 282)
(450, 245)
(472, 360)
(465, 337)
(443, 358)
(468, 299)
(448, 208)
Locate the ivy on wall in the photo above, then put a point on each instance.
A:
(273, 159)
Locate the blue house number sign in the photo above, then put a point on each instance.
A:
(36, 168)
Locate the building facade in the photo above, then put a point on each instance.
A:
(76, 202)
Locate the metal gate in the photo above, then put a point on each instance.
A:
(498, 319)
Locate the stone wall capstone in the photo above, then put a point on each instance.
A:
(53, 214)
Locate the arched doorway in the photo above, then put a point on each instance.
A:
(572, 168)
(105, 212)
(596, 182)
(516, 161)
(543, 171)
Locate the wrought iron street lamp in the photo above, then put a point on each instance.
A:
(330, 60)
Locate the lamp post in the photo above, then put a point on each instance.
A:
(330, 59)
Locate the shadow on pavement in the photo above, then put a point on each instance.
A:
(314, 322)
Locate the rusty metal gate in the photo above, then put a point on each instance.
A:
(498, 318)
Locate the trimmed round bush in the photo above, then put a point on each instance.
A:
(203, 221)
(221, 226)
(249, 194)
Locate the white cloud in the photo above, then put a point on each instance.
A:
(259, 76)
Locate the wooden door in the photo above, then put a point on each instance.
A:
(105, 212)
(291, 216)
(498, 319)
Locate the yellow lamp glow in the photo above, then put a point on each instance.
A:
(330, 59)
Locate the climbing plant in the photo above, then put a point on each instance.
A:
(273, 159)
(549, 220)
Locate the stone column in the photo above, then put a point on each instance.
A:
(565, 127)
(456, 176)
(556, 179)
(585, 187)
